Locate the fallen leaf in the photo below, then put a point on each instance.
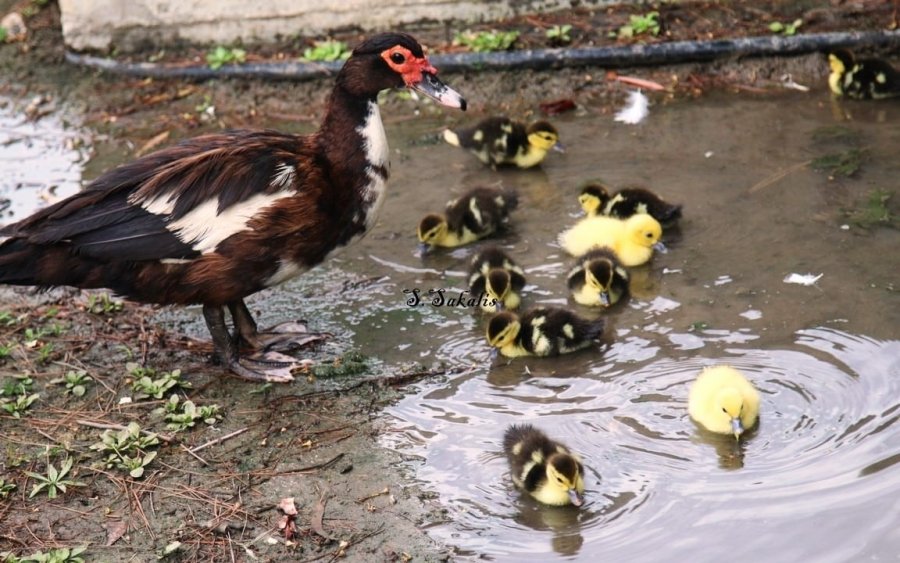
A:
(557, 107)
(153, 143)
(641, 83)
(115, 529)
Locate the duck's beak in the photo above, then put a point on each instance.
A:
(559, 147)
(424, 248)
(494, 352)
(604, 298)
(576, 497)
(432, 87)
(660, 247)
(737, 427)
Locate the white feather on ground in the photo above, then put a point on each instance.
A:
(636, 110)
(801, 279)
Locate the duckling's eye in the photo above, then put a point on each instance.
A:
(649, 235)
(398, 58)
(725, 411)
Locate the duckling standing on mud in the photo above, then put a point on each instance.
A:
(595, 200)
(542, 331)
(476, 214)
(543, 468)
(862, 79)
(722, 400)
(493, 273)
(499, 140)
(598, 279)
(633, 239)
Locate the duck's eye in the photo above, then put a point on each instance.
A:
(725, 411)
(398, 58)
(649, 235)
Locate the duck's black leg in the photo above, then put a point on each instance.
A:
(269, 366)
(282, 337)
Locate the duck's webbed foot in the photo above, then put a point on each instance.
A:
(283, 337)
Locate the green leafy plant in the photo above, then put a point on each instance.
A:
(846, 163)
(147, 386)
(639, 25)
(559, 34)
(222, 55)
(18, 405)
(3, 34)
(55, 555)
(17, 385)
(6, 488)
(325, 51)
(103, 304)
(6, 318)
(875, 211)
(183, 416)
(486, 41)
(74, 381)
(55, 480)
(126, 448)
(786, 28)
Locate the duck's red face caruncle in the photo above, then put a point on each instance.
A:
(419, 75)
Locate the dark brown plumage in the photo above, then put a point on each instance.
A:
(595, 199)
(219, 217)
(478, 213)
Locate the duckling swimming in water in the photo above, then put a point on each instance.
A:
(722, 400)
(633, 239)
(476, 214)
(598, 279)
(494, 274)
(499, 140)
(862, 79)
(544, 468)
(596, 200)
(542, 331)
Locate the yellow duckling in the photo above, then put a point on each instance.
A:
(598, 279)
(544, 468)
(595, 200)
(542, 331)
(478, 213)
(862, 79)
(723, 401)
(493, 273)
(499, 140)
(633, 239)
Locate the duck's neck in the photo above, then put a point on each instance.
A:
(353, 142)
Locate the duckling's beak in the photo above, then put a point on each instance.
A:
(432, 87)
(604, 298)
(424, 248)
(576, 497)
(660, 247)
(559, 147)
(737, 427)
(494, 352)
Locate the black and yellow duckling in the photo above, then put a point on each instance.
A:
(862, 79)
(598, 279)
(542, 331)
(543, 468)
(493, 273)
(499, 140)
(722, 400)
(633, 239)
(595, 200)
(476, 214)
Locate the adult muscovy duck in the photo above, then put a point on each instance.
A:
(219, 217)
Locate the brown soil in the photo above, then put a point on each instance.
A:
(314, 442)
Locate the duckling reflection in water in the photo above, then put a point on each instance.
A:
(544, 468)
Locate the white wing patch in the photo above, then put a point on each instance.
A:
(284, 176)
(287, 269)
(378, 155)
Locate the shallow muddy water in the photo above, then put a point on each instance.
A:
(816, 481)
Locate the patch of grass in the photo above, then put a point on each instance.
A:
(351, 363)
(639, 25)
(6, 488)
(846, 163)
(222, 55)
(103, 304)
(55, 480)
(181, 416)
(559, 34)
(697, 326)
(486, 41)
(874, 212)
(327, 51)
(126, 449)
(55, 555)
(17, 385)
(74, 381)
(17, 406)
(785, 28)
(147, 385)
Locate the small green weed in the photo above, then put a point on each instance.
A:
(844, 164)
(55, 480)
(3, 34)
(6, 488)
(786, 28)
(222, 55)
(351, 363)
(486, 41)
(6, 318)
(126, 448)
(18, 385)
(146, 385)
(55, 555)
(103, 304)
(184, 416)
(17, 406)
(74, 381)
(559, 34)
(326, 51)
(639, 25)
(875, 211)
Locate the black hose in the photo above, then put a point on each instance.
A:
(537, 59)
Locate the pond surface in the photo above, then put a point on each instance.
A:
(818, 480)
